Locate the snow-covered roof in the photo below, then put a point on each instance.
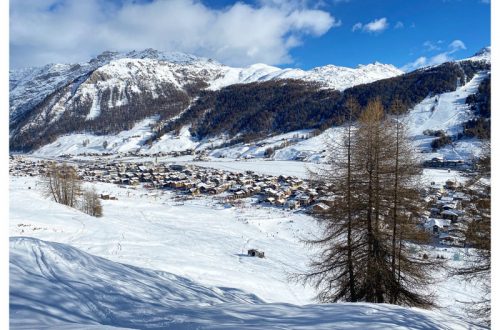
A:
(437, 222)
(449, 212)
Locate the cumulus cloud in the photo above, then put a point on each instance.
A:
(442, 57)
(43, 31)
(375, 26)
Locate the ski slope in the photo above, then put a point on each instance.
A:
(123, 142)
(447, 112)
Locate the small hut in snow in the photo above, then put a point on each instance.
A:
(255, 253)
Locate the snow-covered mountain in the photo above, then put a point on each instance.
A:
(483, 55)
(148, 70)
(330, 76)
(118, 91)
(123, 73)
(29, 86)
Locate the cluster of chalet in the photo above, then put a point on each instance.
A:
(440, 162)
(20, 166)
(135, 154)
(283, 191)
(446, 218)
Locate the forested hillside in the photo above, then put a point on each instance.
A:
(240, 111)
(258, 109)
(480, 103)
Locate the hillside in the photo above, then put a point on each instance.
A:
(167, 105)
(155, 262)
(257, 110)
(447, 112)
(64, 98)
(105, 293)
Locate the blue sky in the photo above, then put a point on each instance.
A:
(293, 33)
(427, 28)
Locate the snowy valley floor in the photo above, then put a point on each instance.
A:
(154, 261)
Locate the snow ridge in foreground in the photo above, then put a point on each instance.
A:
(55, 285)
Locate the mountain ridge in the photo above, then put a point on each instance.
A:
(184, 90)
(29, 86)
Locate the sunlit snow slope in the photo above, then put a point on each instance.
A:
(447, 112)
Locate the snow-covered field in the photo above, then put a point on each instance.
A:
(270, 167)
(197, 238)
(83, 291)
(154, 261)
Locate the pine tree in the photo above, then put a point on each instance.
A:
(338, 270)
(368, 235)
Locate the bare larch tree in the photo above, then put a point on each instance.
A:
(62, 183)
(368, 236)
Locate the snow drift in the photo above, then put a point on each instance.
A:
(54, 285)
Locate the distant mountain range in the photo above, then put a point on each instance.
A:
(114, 91)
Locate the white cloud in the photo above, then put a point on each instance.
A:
(439, 58)
(357, 26)
(430, 46)
(442, 57)
(375, 26)
(424, 61)
(418, 63)
(43, 31)
(399, 25)
(456, 45)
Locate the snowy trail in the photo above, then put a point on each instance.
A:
(91, 292)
